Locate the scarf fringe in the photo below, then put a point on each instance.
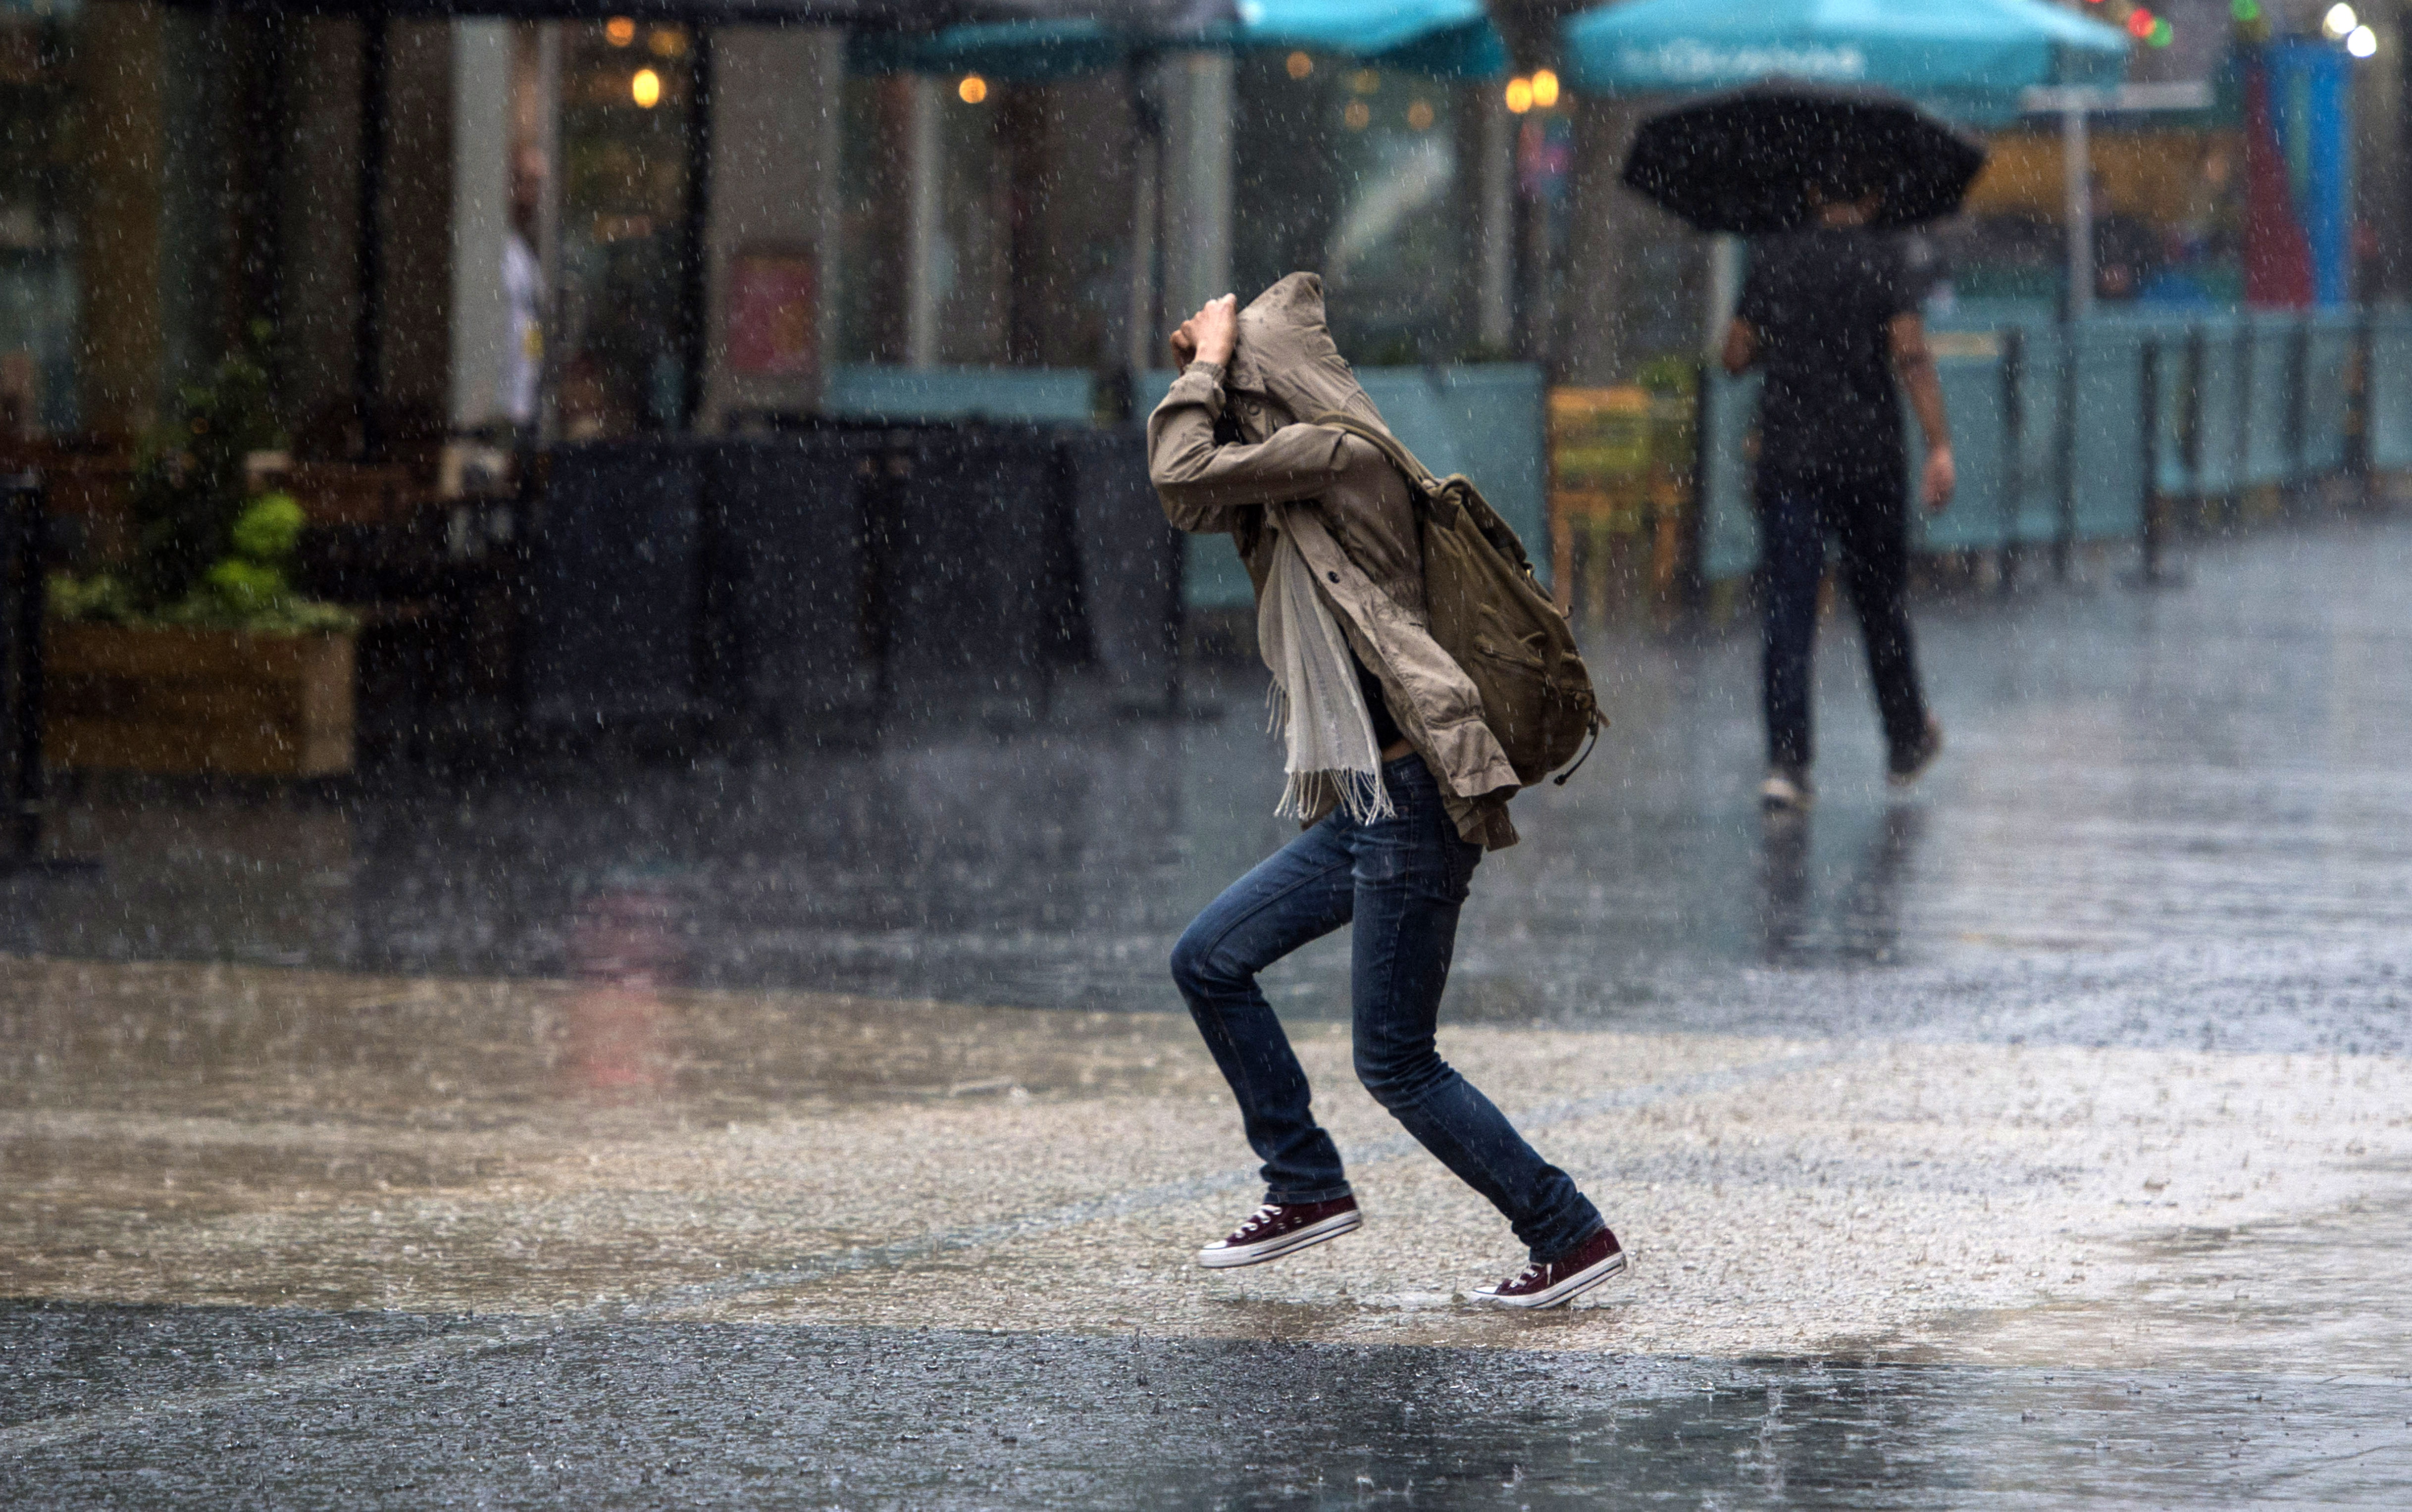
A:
(1363, 795)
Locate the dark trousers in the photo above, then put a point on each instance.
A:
(1868, 521)
(1400, 882)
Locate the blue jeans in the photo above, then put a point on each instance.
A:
(1870, 523)
(1401, 881)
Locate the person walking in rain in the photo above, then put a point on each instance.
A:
(1831, 313)
(1399, 786)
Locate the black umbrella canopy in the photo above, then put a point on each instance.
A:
(1745, 161)
(1167, 18)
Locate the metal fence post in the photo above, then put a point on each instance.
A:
(2148, 404)
(2064, 533)
(2190, 436)
(27, 525)
(2014, 448)
(2356, 436)
(2243, 441)
(2299, 383)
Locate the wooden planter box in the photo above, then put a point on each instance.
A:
(180, 700)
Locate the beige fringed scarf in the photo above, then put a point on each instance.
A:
(1316, 704)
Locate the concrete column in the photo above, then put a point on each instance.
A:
(1143, 310)
(775, 102)
(1590, 336)
(419, 244)
(1196, 216)
(1493, 179)
(482, 207)
(924, 169)
(122, 108)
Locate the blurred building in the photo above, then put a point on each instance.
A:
(657, 227)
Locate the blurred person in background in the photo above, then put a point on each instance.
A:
(1832, 315)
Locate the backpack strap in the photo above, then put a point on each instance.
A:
(1426, 486)
(1389, 445)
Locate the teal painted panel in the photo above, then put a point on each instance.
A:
(2268, 394)
(2108, 471)
(2327, 404)
(1972, 402)
(862, 390)
(1487, 421)
(2174, 481)
(2032, 513)
(1729, 520)
(2391, 389)
(1212, 576)
(2220, 444)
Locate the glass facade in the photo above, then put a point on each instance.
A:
(38, 242)
(1355, 171)
(629, 120)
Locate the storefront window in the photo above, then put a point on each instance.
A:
(38, 241)
(628, 120)
(1353, 171)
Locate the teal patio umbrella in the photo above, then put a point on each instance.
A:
(1970, 59)
(1448, 38)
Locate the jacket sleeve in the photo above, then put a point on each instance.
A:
(1205, 485)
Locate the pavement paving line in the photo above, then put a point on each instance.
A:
(470, 1341)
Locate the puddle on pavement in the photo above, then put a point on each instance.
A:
(720, 1415)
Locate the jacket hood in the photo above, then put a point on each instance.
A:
(1284, 354)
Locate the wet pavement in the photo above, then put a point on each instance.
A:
(824, 1132)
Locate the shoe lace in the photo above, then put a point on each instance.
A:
(1261, 1218)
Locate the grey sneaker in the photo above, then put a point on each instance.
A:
(1906, 767)
(1787, 790)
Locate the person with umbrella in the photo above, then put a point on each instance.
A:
(1829, 313)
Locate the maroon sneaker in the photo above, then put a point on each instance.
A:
(1280, 1228)
(1589, 1263)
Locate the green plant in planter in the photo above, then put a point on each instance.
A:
(208, 551)
(189, 483)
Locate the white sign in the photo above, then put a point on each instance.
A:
(1689, 60)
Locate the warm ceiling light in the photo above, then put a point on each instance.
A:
(1419, 115)
(666, 43)
(1520, 96)
(1357, 116)
(619, 31)
(2340, 21)
(2362, 42)
(646, 88)
(1545, 88)
(972, 90)
(1298, 65)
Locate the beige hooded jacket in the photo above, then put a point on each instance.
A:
(1355, 524)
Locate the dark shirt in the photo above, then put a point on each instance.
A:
(1386, 729)
(1823, 303)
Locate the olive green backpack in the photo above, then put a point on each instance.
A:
(1493, 617)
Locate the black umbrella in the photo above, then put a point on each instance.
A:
(1745, 161)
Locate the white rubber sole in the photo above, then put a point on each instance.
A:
(1573, 1286)
(1221, 1257)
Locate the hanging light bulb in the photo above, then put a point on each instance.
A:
(2362, 42)
(1545, 89)
(1520, 96)
(645, 89)
(2339, 23)
(972, 90)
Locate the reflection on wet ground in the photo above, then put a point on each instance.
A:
(805, 1133)
(2153, 810)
